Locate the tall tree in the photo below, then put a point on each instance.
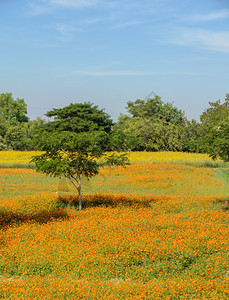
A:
(13, 110)
(216, 141)
(79, 117)
(216, 113)
(152, 125)
(211, 120)
(155, 108)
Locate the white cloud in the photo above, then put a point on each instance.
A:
(223, 14)
(211, 40)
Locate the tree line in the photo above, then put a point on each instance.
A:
(148, 125)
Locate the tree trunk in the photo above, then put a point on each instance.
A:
(79, 192)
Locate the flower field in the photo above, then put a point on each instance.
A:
(23, 158)
(16, 158)
(148, 231)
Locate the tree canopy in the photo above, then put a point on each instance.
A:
(13, 116)
(152, 125)
(79, 117)
(155, 108)
(216, 141)
(216, 113)
(13, 110)
(213, 123)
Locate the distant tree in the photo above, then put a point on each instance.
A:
(211, 120)
(73, 155)
(193, 132)
(78, 117)
(19, 136)
(16, 137)
(216, 141)
(155, 108)
(216, 113)
(4, 125)
(153, 134)
(152, 125)
(3, 145)
(32, 128)
(123, 141)
(13, 110)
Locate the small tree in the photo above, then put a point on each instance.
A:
(72, 155)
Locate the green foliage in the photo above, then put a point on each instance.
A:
(69, 154)
(216, 141)
(200, 136)
(79, 117)
(116, 160)
(13, 110)
(16, 137)
(215, 114)
(73, 155)
(213, 121)
(193, 131)
(3, 145)
(125, 141)
(19, 136)
(16, 130)
(153, 126)
(156, 109)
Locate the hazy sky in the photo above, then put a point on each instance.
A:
(108, 52)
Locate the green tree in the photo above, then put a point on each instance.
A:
(32, 128)
(216, 113)
(13, 110)
(153, 134)
(73, 155)
(3, 145)
(193, 132)
(210, 120)
(13, 116)
(19, 136)
(4, 125)
(152, 125)
(16, 137)
(79, 117)
(155, 108)
(216, 141)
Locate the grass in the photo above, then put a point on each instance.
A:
(144, 179)
(148, 231)
(22, 182)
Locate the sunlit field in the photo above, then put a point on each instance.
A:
(148, 231)
(23, 158)
(16, 158)
(143, 179)
(168, 157)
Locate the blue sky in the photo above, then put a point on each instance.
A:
(108, 52)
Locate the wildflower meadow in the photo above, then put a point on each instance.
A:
(155, 229)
